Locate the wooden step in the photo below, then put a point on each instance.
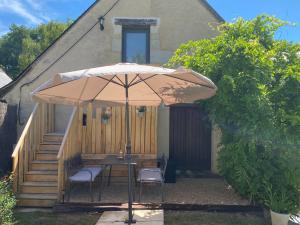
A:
(41, 176)
(49, 147)
(44, 165)
(53, 137)
(46, 155)
(36, 200)
(35, 187)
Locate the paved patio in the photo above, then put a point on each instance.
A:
(142, 217)
(203, 191)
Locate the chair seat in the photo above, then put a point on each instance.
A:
(150, 175)
(86, 174)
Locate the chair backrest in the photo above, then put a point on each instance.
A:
(163, 164)
(72, 165)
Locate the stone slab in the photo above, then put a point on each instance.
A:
(143, 217)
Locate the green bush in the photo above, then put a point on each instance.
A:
(7, 202)
(257, 107)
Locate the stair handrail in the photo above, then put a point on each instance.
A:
(25, 130)
(25, 148)
(69, 148)
(70, 123)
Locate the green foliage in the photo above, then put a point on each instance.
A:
(257, 107)
(20, 46)
(7, 202)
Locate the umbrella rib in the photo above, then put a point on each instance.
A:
(120, 81)
(85, 83)
(108, 81)
(133, 79)
(141, 80)
(111, 80)
(152, 88)
(56, 85)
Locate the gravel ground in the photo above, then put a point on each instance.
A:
(186, 190)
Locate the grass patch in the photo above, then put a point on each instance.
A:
(210, 218)
(45, 218)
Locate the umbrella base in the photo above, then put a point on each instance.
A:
(132, 221)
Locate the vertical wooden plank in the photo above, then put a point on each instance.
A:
(155, 129)
(118, 130)
(153, 133)
(89, 128)
(93, 135)
(132, 128)
(42, 127)
(84, 138)
(148, 131)
(138, 131)
(123, 132)
(113, 131)
(108, 136)
(26, 150)
(80, 114)
(98, 130)
(143, 133)
(103, 138)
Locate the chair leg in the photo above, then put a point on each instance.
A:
(140, 194)
(162, 192)
(100, 185)
(135, 175)
(91, 190)
(109, 175)
(69, 190)
(133, 183)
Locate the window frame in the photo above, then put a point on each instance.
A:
(136, 29)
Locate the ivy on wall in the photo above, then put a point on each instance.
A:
(257, 107)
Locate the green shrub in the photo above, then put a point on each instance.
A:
(7, 202)
(257, 107)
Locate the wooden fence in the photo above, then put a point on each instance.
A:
(97, 137)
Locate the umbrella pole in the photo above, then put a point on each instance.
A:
(128, 151)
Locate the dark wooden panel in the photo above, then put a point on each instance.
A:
(190, 137)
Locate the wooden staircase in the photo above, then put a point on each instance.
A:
(39, 157)
(40, 186)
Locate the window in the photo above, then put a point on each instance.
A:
(136, 45)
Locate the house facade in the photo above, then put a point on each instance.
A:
(109, 32)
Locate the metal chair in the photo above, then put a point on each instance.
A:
(154, 176)
(77, 173)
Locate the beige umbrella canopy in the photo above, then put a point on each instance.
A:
(147, 86)
(126, 84)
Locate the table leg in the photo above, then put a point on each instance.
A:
(109, 175)
(135, 175)
(133, 186)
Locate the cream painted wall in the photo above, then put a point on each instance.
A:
(163, 130)
(178, 21)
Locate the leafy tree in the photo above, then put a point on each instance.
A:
(20, 46)
(11, 47)
(257, 106)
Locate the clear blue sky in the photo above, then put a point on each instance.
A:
(33, 12)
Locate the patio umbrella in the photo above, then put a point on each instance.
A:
(126, 84)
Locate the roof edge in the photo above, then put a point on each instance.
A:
(212, 11)
(5, 89)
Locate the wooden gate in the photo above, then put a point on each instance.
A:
(190, 137)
